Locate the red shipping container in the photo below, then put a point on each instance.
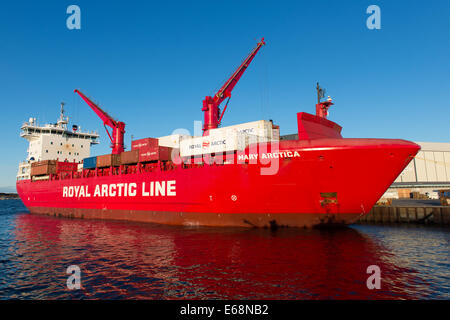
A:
(148, 154)
(66, 167)
(144, 143)
(129, 157)
(155, 154)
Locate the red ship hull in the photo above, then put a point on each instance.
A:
(331, 181)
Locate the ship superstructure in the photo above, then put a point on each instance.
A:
(55, 141)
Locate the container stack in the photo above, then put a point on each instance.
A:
(149, 150)
(230, 139)
(47, 167)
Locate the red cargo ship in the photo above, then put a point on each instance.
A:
(244, 175)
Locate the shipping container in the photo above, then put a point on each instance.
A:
(215, 143)
(90, 163)
(261, 128)
(157, 153)
(66, 167)
(47, 167)
(43, 162)
(144, 143)
(108, 160)
(130, 157)
(172, 141)
(275, 133)
(43, 168)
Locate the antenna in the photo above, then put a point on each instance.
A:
(62, 121)
(320, 93)
(62, 110)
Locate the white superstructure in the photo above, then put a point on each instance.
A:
(55, 142)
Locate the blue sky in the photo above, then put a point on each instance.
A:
(150, 64)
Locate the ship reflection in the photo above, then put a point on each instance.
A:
(143, 261)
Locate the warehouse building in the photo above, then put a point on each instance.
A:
(428, 172)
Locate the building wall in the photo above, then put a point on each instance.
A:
(431, 165)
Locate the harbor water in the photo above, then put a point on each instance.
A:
(120, 260)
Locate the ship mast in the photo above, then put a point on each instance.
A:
(63, 121)
(322, 107)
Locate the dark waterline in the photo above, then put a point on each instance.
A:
(120, 260)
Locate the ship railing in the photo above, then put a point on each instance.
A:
(126, 169)
(114, 171)
(23, 163)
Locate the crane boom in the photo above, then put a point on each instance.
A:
(212, 115)
(118, 127)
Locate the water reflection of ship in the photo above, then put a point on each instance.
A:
(126, 260)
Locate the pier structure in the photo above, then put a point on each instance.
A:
(435, 215)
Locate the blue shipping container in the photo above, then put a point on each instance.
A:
(90, 163)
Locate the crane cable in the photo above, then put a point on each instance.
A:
(223, 112)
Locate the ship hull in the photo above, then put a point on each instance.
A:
(330, 182)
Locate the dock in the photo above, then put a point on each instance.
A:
(433, 215)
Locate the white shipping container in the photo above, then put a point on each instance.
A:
(276, 134)
(216, 143)
(172, 141)
(261, 128)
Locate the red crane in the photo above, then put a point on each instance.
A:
(212, 115)
(118, 127)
